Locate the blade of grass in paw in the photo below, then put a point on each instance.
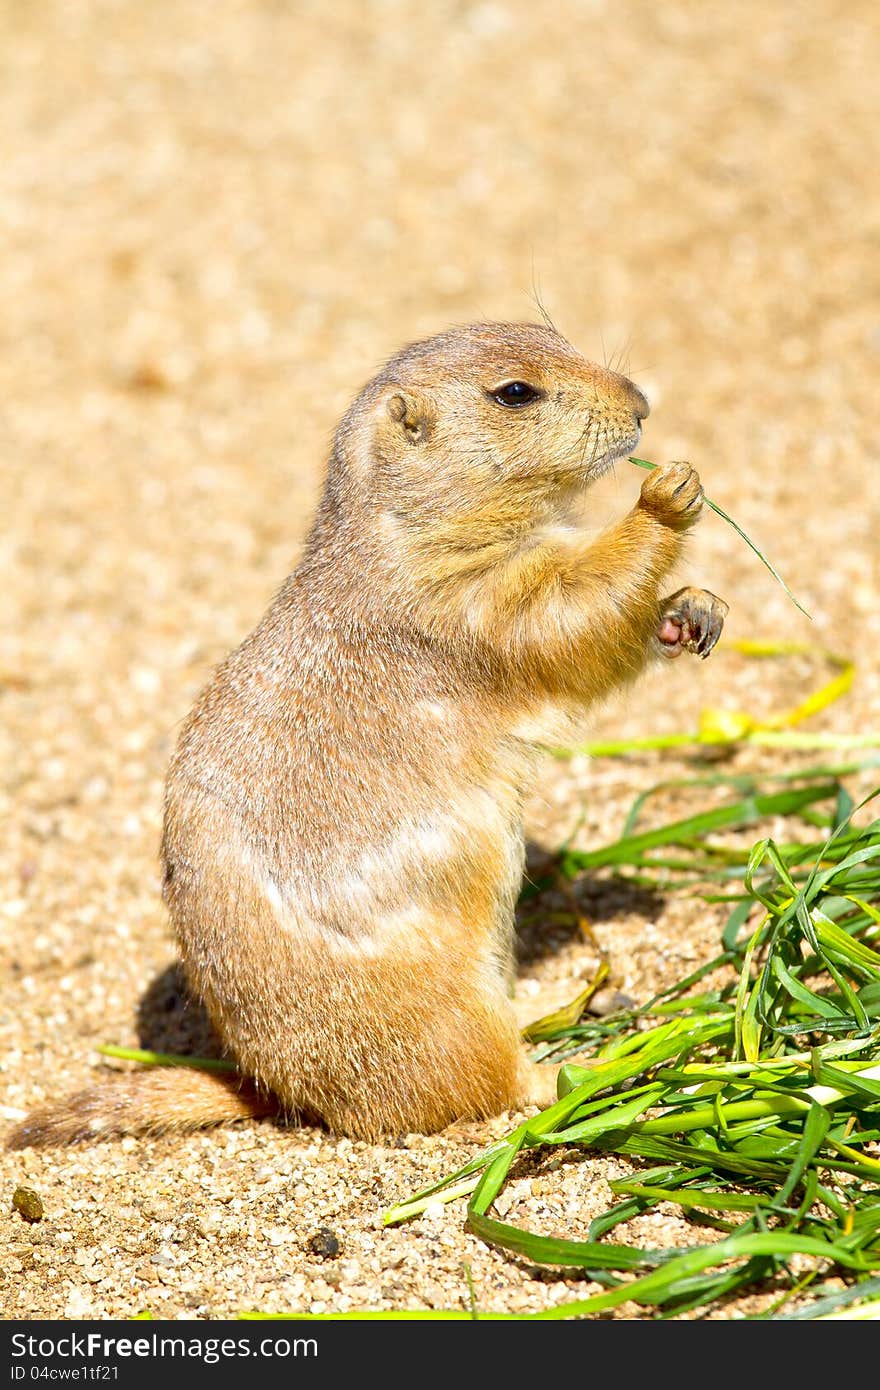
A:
(643, 463)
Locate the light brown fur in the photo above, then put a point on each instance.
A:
(343, 843)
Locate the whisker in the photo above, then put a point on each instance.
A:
(537, 299)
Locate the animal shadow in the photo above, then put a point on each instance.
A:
(548, 910)
(171, 1019)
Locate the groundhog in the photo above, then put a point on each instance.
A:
(343, 841)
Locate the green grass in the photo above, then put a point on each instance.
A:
(753, 1105)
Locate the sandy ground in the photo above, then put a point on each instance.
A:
(217, 218)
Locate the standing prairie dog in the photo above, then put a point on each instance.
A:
(343, 842)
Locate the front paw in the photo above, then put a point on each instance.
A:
(674, 495)
(691, 621)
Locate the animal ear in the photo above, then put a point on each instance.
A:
(412, 413)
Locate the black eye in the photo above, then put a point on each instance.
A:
(515, 393)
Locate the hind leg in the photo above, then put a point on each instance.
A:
(538, 1084)
(441, 1054)
(402, 1031)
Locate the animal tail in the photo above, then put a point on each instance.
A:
(155, 1101)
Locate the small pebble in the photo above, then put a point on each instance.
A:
(324, 1243)
(28, 1204)
(609, 1001)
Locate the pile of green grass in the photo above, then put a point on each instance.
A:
(753, 1106)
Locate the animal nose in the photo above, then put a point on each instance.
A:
(638, 401)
